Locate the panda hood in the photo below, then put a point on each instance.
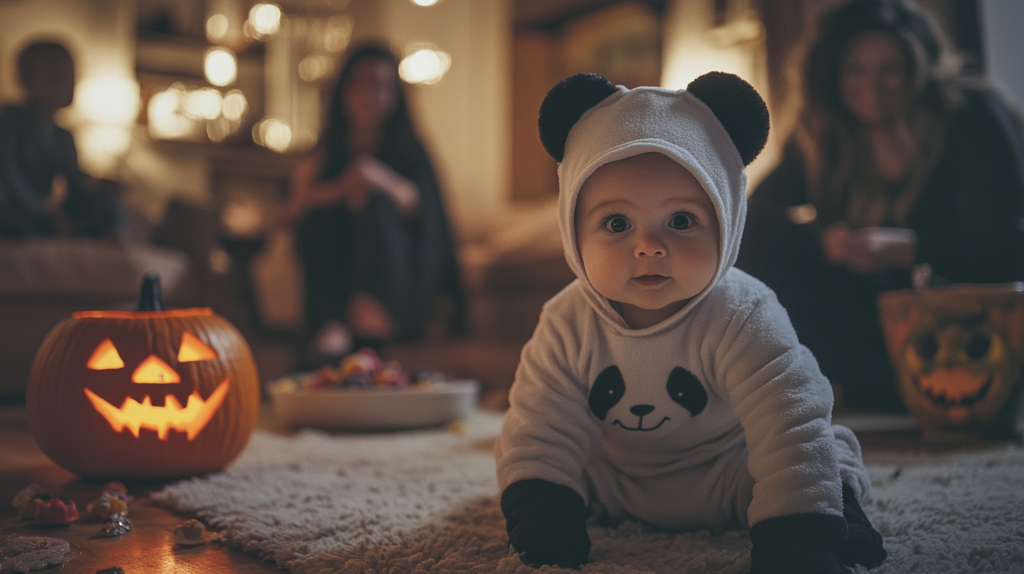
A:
(714, 129)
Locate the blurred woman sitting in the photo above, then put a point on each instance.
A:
(371, 227)
(896, 168)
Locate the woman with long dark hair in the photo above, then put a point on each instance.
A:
(372, 232)
(896, 168)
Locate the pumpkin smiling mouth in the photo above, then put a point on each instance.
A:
(190, 419)
(948, 387)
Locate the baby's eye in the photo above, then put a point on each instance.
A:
(616, 224)
(681, 221)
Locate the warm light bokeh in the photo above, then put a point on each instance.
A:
(182, 112)
(265, 19)
(234, 106)
(220, 66)
(425, 65)
(217, 27)
(273, 134)
(108, 100)
(164, 114)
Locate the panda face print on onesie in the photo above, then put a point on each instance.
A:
(610, 401)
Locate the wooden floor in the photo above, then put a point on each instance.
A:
(149, 548)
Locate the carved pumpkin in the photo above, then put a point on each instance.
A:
(958, 352)
(147, 394)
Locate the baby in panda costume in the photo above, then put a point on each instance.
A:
(663, 384)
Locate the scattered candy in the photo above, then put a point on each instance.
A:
(107, 506)
(28, 553)
(117, 489)
(25, 495)
(362, 362)
(190, 533)
(56, 511)
(118, 525)
(28, 510)
(391, 375)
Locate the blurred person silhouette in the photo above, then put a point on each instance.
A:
(372, 232)
(43, 191)
(898, 173)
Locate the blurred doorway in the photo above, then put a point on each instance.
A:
(552, 39)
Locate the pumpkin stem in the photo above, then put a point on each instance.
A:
(150, 298)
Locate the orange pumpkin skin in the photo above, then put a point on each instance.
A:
(69, 428)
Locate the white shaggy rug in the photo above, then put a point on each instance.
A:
(426, 501)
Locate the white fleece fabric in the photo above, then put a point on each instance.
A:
(716, 417)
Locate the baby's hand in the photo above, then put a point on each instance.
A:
(797, 544)
(546, 523)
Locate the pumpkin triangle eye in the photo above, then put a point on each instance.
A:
(192, 349)
(105, 357)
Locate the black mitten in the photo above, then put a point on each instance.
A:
(863, 545)
(797, 544)
(546, 522)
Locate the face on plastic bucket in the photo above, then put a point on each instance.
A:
(958, 352)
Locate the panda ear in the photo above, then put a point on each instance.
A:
(739, 107)
(565, 104)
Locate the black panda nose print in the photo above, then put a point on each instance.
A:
(685, 389)
(607, 390)
(641, 410)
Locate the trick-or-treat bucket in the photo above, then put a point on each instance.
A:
(958, 351)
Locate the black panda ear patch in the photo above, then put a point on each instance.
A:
(565, 104)
(739, 107)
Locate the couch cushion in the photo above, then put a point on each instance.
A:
(85, 268)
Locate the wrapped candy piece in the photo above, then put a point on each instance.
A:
(57, 511)
(190, 533)
(390, 375)
(107, 506)
(360, 381)
(363, 362)
(28, 510)
(118, 525)
(25, 495)
(117, 489)
(111, 570)
(325, 378)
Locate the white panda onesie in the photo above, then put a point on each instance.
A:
(715, 418)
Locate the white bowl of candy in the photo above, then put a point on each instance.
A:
(365, 393)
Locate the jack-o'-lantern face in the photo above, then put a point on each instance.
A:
(149, 394)
(963, 367)
(134, 415)
(959, 352)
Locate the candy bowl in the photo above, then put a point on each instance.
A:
(366, 394)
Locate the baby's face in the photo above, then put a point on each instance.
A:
(648, 236)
